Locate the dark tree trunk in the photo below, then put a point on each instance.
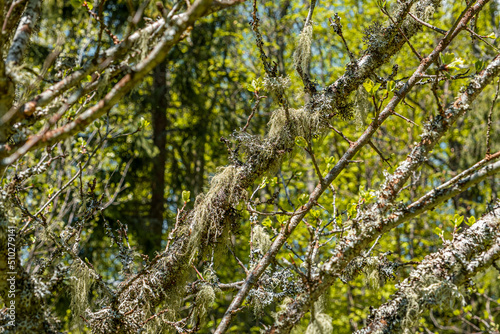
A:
(159, 123)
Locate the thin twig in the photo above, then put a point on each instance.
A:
(379, 153)
(441, 31)
(337, 28)
(254, 109)
(482, 38)
(490, 114)
(310, 14)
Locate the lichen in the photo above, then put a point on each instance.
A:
(81, 281)
(301, 122)
(204, 300)
(361, 107)
(321, 323)
(302, 55)
(261, 239)
(210, 208)
(433, 291)
(276, 85)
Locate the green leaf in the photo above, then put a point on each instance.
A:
(315, 213)
(267, 222)
(456, 64)
(447, 58)
(438, 231)
(303, 199)
(338, 220)
(264, 182)
(458, 219)
(282, 218)
(368, 86)
(143, 123)
(492, 36)
(185, 196)
(300, 141)
(351, 210)
(471, 220)
(391, 85)
(479, 65)
(273, 181)
(375, 88)
(255, 86)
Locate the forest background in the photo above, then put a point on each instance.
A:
(140, 166)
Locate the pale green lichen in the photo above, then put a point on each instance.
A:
(211, 208)
(276, 85)
(205, 298)
(80, 283)
(261, 239)
(372, 273)
(321, 323)
(302, 55)
(434, 291)
(361, 107)
(301, 122)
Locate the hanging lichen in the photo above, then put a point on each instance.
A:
(211, 208)
(302, 54)
(205, 298)
(80, 283)
(261, 239)
(436, 291)
(361, 108)
(321, 323)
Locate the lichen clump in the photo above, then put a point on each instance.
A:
(210, 208)
(433, 291)
(81, 282)
(301, 122)
(261, 239)
(302, 55)
(205, 298)
(321, 323)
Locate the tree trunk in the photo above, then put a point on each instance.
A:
(159, 122)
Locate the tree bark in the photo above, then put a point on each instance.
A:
(159, 106)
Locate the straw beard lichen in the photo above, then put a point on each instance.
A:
(276, 85)
(361, 107)
(321, 323)
(302, 55)
(261, 239)
(301, 123)
(433, 291)
(212, 208)
(264, 156)
(205, 298)
(81, 282)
